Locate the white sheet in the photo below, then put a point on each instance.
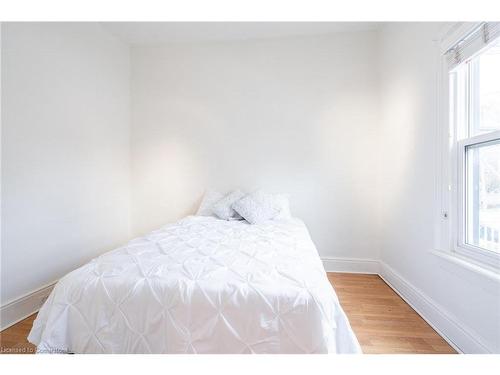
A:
(201, 285)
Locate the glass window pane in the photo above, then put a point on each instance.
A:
(483, 195)
(485, 91)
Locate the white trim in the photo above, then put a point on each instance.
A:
(462, 338)
(477, 268)
(442, 178)
(350, 265)
(20, 308)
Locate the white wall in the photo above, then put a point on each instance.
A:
(409, 69)
(65, 150)
(292, 114)
(346, 123)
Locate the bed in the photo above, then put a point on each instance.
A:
(200, 285)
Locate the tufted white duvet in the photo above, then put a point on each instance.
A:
(200, 285)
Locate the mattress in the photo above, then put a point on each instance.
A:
(200, 285)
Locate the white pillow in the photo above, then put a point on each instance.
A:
(209, 199)
(223, 208)
(258, 207)
(283, 203)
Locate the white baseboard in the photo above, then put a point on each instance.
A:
(21, 308)
(448, 326)
(350, 265)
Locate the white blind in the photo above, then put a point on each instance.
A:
(472, 43)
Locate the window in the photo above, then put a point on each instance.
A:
(474, 93)
(482, 195)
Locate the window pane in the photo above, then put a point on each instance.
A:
(483, 195)
(485, 91)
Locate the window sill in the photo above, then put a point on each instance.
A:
(464, 262)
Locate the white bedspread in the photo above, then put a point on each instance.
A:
(200, 285)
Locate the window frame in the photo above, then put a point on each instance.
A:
(451, 172)
(480, 254)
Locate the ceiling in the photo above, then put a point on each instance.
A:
(150, 33)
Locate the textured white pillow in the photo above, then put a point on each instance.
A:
(257, 207)
(223, 208)
(209, 199)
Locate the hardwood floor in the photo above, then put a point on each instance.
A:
(13, 340)
(382, 321)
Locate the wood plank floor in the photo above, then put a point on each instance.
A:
(14, 340)
(381, 320)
